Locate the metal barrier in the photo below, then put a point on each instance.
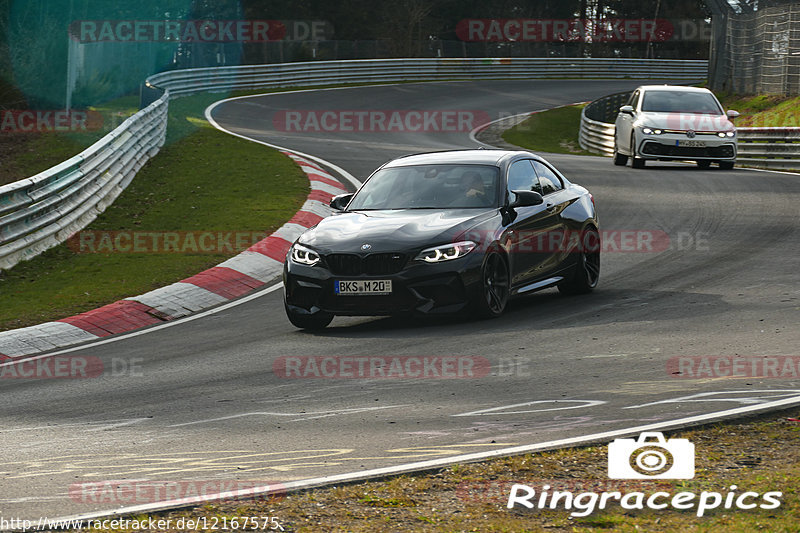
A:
(769, 147)
(757, 147)
(597, 123)
(40, 212)
(391, 70)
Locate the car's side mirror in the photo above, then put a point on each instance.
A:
(732, 114)
(526, 198)
(627, 109)
(340, 202)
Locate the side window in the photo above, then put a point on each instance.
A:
(521, 177)
(634, 99)
(548, 179)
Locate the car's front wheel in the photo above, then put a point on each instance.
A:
(318, 320)
(703, 164)
(587, 272)
(494, 286)
(726, 165)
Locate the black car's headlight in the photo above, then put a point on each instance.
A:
(446, 252)
(304, 256)
(652, 131)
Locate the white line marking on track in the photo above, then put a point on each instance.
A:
(303, 416)
(708, 397)
(445, 461)
(502, 410)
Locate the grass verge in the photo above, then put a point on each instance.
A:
(759, 456)
(25, 154)
(202, 180)
(554, 131)
(763, 110)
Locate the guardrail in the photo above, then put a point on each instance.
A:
(385, 70)
(769, 147)
(40, 212)
(758, 147)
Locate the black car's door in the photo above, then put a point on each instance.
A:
(561, 231)
(530, 233)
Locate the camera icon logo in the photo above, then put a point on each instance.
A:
(651, 457)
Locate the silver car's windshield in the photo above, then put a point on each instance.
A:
(680, 102)
(429, 187)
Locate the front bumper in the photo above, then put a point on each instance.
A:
(667, 146)
(418, 288)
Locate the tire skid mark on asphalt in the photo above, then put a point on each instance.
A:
(118, 466)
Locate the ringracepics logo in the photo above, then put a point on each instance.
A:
(585, 503)
(379, 120)
(649, 456)
(382, 367)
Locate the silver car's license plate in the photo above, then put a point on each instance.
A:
(691, 144)
(363, 286)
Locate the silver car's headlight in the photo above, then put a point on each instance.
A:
(724, 134)
(652, 131)
(304, 256)
(446, 252)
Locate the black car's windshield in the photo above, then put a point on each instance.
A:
(680, 102)
(429, 186)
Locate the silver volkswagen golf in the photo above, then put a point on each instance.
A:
(667, 122)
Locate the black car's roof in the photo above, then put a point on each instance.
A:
(467, 157)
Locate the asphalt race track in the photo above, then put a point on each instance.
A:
(199, 400)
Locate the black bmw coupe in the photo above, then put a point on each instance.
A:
(445, 232)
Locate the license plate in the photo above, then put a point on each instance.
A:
(691, 144)
(363, 286)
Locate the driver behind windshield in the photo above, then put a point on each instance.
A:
(473, 192)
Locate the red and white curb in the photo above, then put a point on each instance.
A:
(235, 277)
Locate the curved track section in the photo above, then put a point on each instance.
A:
(200, 400)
